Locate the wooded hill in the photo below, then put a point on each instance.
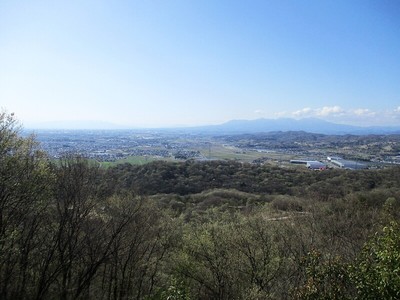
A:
(192, 230)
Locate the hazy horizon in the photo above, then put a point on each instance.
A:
(310, 124)
(143, 64)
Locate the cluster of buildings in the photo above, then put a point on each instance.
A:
(110, 145)
(332, 161)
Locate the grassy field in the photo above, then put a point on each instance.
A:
(223, 152)
(135, 160)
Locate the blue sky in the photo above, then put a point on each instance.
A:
(168, 63)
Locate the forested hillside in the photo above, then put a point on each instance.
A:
(192, 230)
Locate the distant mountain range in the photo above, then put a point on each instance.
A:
(312, 125)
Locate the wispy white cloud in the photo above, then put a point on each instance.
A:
(364, 112)
(303, 112)
(329, 111)
(319, 112)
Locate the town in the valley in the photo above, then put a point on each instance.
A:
(287, 149)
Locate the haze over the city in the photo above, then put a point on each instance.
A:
(186, 63)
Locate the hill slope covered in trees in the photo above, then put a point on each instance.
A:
(192, 230)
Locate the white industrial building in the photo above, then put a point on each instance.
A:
(316, 165)
(311, 164)
(349, 164)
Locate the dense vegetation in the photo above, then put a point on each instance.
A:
(192, 230)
